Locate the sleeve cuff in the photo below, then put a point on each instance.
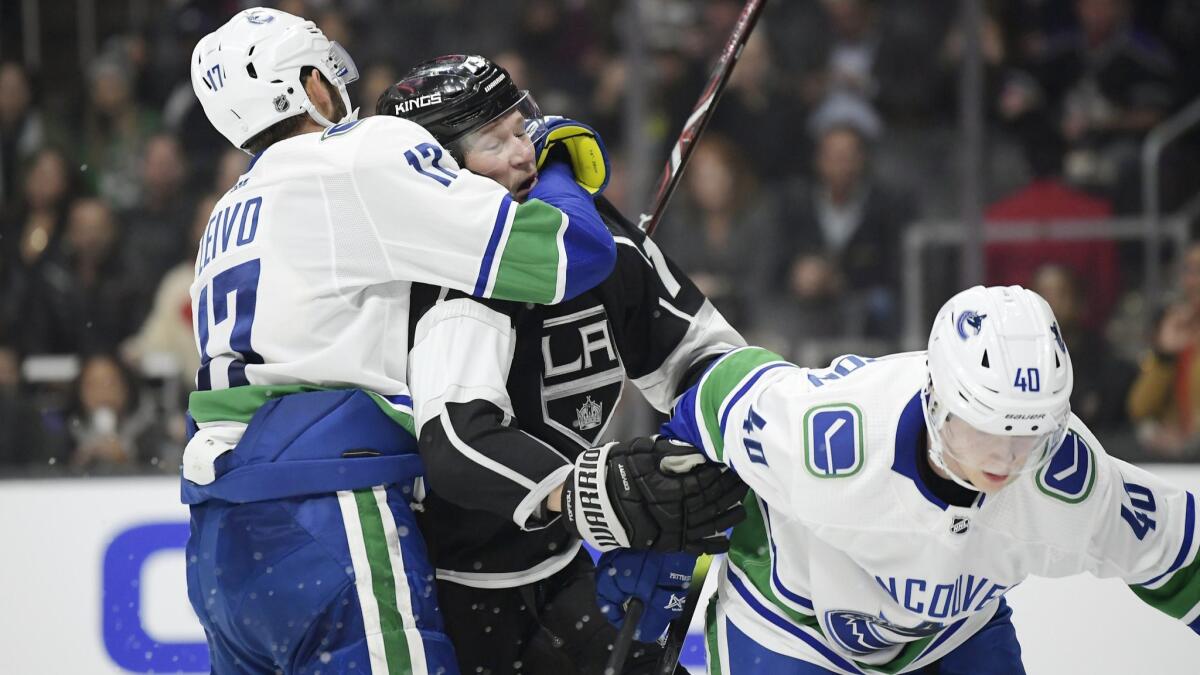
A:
(531, 513)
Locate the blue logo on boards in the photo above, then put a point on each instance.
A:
(833, 446)
(1071, 471)
(970, 321)
(125, 638)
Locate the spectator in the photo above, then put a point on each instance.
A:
(1096, 262)
(842, 235)
(82, 300)
(1165, 399)
(24, 443)
(22, 131)
(718, 228)
(31, 227)
(756, 112)
(230, 167)
(115, 131)
(1105, 86)
(110, 434)
(1101, 379)
(167, 330)
(155, 229)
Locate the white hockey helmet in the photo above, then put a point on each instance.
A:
(247, 72)
(997, 362)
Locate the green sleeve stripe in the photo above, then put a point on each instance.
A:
(1178, 596)
(238, 404)
(531, 260)
(721, 382)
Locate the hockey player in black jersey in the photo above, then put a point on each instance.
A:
(511, 401)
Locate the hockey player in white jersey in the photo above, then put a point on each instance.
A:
(898, 499)
(304, 555)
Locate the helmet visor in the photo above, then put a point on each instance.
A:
(341, 64)
(1000, 455)
(531, 124)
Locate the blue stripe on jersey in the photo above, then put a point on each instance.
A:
(683, 424)
(1189, 524)
(784, 591)
(742, 392)
(788, 626)
(908, 448)
(489, 254)
(399, 399)
(1195, 625)
(945, 634)
(588, 243)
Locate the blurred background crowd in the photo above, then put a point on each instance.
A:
(821, 211)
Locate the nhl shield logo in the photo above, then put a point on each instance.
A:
(281, 103)
(960, 525)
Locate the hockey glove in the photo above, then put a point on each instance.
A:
(580, 147)
(659, 580)
(653, 494)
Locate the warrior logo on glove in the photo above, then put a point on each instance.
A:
(652, 493)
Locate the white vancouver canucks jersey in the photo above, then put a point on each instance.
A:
(304, 271)
(848, 560)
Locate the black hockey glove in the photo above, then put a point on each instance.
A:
(655, 494)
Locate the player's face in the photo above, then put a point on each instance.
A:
(502, 151)
(988, 461)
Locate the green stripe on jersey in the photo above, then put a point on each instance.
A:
(1178, 596)
(750, 552)
(383, 583)
(238, 404)
(721, 382)
(711, 639)
(530, 263)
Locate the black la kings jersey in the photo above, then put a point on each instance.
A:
(506, 395)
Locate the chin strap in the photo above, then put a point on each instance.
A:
(938, 458)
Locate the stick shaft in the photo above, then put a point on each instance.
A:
(701, 114)
(620, 652)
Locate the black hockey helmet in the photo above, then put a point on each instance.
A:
(451, 96)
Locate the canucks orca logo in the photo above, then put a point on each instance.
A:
(860, 633)
(969, 319)
(260, 18)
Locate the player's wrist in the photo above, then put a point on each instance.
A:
(555, 499)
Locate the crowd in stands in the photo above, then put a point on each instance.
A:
(838, 134)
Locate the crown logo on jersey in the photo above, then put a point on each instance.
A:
(589, 415)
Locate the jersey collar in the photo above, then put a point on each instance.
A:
(908, 460)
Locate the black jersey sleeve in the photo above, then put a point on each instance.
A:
(671, 330)
(475, 456)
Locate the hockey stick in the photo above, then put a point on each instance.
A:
(698, 120)
(624, 641)
(678, 631)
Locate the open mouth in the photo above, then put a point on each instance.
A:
(523, 189)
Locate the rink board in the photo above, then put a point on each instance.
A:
(93, 582)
